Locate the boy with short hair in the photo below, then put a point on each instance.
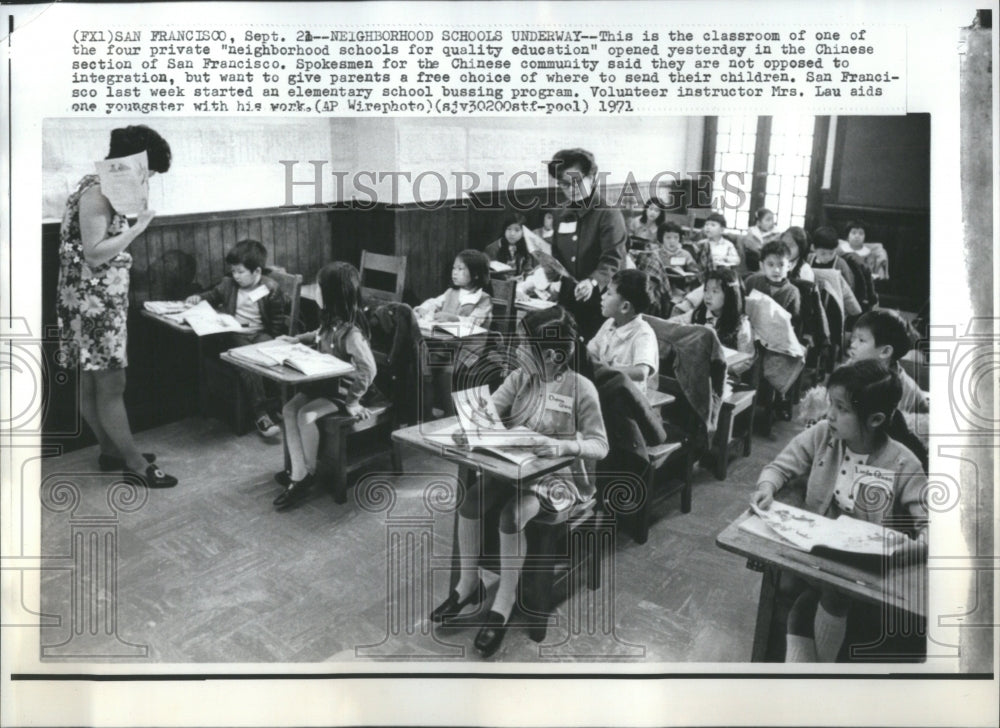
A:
(257, 302)
(825, 254)
(625, 341)
(772, 279)
(719, 251)
(884, 335)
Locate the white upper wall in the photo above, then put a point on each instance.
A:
(234, 163)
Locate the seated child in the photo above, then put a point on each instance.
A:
(883, 335)
(862, 396)
(775, 258)
(546, 230)
(467, 299)
(570, 424)
(873, 256)
(797, 241)
(671, 253)
(825, 254)
(510, 248)
(625, 341)
(257, 302)
(722, 308)
(343, 332)
(642, 229)
(718, 250)
(761, 232)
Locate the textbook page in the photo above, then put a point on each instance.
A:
(325, 129)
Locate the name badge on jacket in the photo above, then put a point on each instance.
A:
(559, 403)
(257, 293)
(567, 227)
(873, 488)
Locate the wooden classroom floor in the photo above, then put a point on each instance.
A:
(209, 572)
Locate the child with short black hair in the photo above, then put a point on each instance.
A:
(467, 298)
(625, 341)
(671, 252)
(799, 247)
(825, 254)
(758, 235)
(883, 335)
(547, 396)
(718, 251)
(256, 301)
(839, 455)
(775, 258)
(510, 248)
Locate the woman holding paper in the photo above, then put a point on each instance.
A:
(92, 305)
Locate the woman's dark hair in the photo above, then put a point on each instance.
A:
(572, 158)
(727, 324)
(871, 387)
(554, 329)
(653, 202)
(801, 240)
(251, 254)
(520, 247)
(131, 140)
(340, 287)
(478, 265)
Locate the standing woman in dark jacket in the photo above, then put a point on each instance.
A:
(92, 307)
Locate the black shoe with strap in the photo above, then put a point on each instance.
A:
(491, 635)
(295, 492)
(155, 478)
(451, 606)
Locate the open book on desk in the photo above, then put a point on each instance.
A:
(497, 267)
(202, 318)
(456, 329)
(806, 531)
(484, 431)
(299, 357)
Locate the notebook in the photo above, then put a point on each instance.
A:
(299, 357)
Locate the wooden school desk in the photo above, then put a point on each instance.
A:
(182, 329)
(286, 377)
(898, 587)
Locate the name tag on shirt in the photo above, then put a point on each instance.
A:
(559, 403)
(257, 293)
(872, 488)
(677, 260)
(567, 227)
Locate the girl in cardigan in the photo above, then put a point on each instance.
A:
(547, 396)
(722, 309)
(467, 298)
(344, 333)
(838, 455)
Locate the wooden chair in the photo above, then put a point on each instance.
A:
(736, 419)
(336, 462)
(383, 267)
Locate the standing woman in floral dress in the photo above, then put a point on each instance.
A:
(92, 304)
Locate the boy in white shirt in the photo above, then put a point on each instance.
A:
(719, 251)
(625, 341)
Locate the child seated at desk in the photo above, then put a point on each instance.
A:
(797, 241)
(883, 335)
(758, 235)
(775, 260)
(467, 298)
(546, 230)
(625, 341)
(837, 454)
(718, 251)
(672, 253)
(826, 255)
(563, 407)
(511, 249)
(257, 302)
(722, 309)
(344, 333)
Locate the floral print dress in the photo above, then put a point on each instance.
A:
(92, 305)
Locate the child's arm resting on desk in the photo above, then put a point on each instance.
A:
(214, 296)
(308, 337)
(794, 460)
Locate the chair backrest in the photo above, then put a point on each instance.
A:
(388, 272)
(504, 312)
(290, 285)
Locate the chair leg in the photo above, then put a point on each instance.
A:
(397, 460)
(686, 490)
(595, 555)
(641, 534)
(339, 466)
(748, 436)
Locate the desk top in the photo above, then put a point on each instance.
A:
(897, 586)
(184, 328)
(283, 374)
(533, 304)
(416, 436)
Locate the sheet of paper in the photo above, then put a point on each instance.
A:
(125, 182)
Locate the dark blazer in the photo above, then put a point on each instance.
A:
(630, 422)
(273, 307)
(396, 334)
(596, 248)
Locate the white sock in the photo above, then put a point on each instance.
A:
(468, 556)
(799, 649)
(829, 631)
(512, 548)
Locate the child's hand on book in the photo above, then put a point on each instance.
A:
(193, 300)
(359, 412)
(286, 339)
(763, 497)
(908, 550)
